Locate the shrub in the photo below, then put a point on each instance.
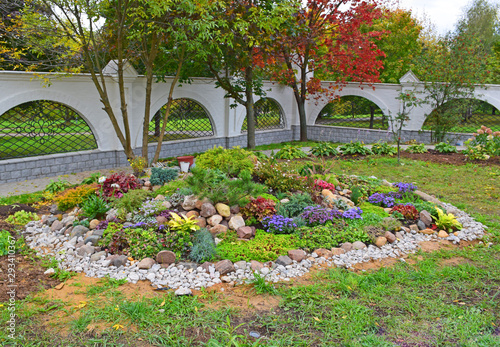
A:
(355, 148)
(160, 176)
(107, 235)
(151, 207)
(276, 177)
(259, 208)
(230, 161)
(56, 186)
(290, 152)
(319, 185)
(130, 201)
(118, 184)
(94, 206)
(408, 211)
(484, 144)
(370, 208)
(444, 147)
(170, 187)
(21, 217)
(317, 215)
(264, 247)
(279, 225)
(417, 148)
(426, 205)
(143, 242)
(204, 248)
(93, 178)
(74, 196)
(356, 195)
(295, 206)
(384, 148)
(324, 149)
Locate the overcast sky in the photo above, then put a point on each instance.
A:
(443, 13)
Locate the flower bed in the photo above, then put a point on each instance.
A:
(225, 225)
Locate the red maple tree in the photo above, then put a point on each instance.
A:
(327, 40)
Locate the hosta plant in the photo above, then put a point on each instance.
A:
(355, 148)
(324, 149)
(384, 148)
(290, 152)
(416, 149)
(443, 147)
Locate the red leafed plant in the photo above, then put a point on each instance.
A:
(408, 211)
(259, 208)
(319, 185)
(118, 184)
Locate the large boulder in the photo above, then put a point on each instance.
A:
(214, 220)
(223, 209)
(297, 254)
(224, 267)
(245, 232)
(207, 210)
(189, 202)
(236, 222)
(165, 257)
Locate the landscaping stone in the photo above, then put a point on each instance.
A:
(234, 209)
(201, 221)
(236, 222)
(189, 202)
(414, 227)
(85, 250)
(426, 218)
(256, 265)
(427, 231)
(161, 220)
(224, 267)
(390, 237)
(183, 291)
(223, 209)
(56, 225)
(49, 271)
(337, 251)
(283, 260)
(93, 224)
(68, 220)
(79, 230)
(297, 254)
(358, 245)
(97, 256)
(165, 257)
(193, 213)
(217, 229)
(380, 241)
(245, 232)
(199, 203)
(207, 210)
(167, 204)
(323, 252)
(214, 220)
(443, 234)
(421, 225)
(146, 263)
(118, 260)
(240, 265)
(93, 239)
(160, 197)
(347, 246)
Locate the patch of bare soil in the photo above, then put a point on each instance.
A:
(7, 210)
(434, 156)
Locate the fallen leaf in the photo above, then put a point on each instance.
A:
(163, 303)
(118, 326)
(59, 286)
(82, 304)
(317, 319)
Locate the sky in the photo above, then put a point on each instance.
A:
(444, 14)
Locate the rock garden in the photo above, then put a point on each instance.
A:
(235, 217)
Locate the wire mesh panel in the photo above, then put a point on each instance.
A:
(354, 112)
(43, 127)
(268, 115)
(463, 116)
(187, 120)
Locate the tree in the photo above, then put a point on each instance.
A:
(324, 39)
(400, 43)
(240, 41)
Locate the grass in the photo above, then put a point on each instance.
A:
(446, 298)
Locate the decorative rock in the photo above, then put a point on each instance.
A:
(79, 230)
(194, 214)
(165, 257)
(283, 260)
(189, 202)
(217, 229)
(59, 286)
(413, 227)
(49, 271)
(97, 256)
(160, 197)
(347, 246)
(427, 231)
(388, 209)
(93, 224)
(206, 265)
(224, 267)
(166, 204)
(183, 291)
(322, 252)
(201, 221)
(426, 218)
(223, 209)
(443, 234)
(161, 220)
(84, 250)
(207, 210)
(236, 222)
(390, 237)
(264, 271)
(421, 225)
(199, 203)
(380, 241)
(240, 264)
(256, 265)
(93, 239)
(56, 226)
(234, 209)
(358, 245)
(146, 263)
(118, 261)
(337, 251)
(245, 233)
(214, 220)
(297, 254)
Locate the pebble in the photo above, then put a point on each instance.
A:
(186, 276)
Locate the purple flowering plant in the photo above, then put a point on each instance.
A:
(405, 188)
(353, 213)
(317, 215)
(382, 199)
(278, 224)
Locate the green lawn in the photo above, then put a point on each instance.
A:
(446, 298)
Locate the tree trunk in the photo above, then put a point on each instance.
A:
(249, 105)
(147, 111)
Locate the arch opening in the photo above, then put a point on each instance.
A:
(268, 115)
(187, 119)
(461, 116)
(43, 127)
(354, 112)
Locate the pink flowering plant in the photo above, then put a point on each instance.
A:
(117, 184)
(484, 144)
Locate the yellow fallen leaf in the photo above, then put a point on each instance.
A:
(163, 303)
(493, 324)
(118, 326)
(317, 319)
(196, 309)
(82, 304)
